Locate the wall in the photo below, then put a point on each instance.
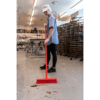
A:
(74, 14)
(78, 13)
(61, 22)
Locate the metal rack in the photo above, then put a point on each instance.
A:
(71, 38)
(76, 38)
(21, 44)
(64, 36)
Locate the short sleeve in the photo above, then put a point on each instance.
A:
(51, 22)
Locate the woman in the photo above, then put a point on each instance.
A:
(52, 38)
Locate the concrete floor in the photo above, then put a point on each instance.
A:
(69, 75)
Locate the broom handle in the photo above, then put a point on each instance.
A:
(46, 52)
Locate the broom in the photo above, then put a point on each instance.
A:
(46, 80)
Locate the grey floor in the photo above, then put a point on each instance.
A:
(69, 76)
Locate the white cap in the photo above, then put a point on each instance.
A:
(46, 7)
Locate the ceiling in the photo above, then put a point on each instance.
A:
(24, 11)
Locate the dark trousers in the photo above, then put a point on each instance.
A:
(52, 48)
